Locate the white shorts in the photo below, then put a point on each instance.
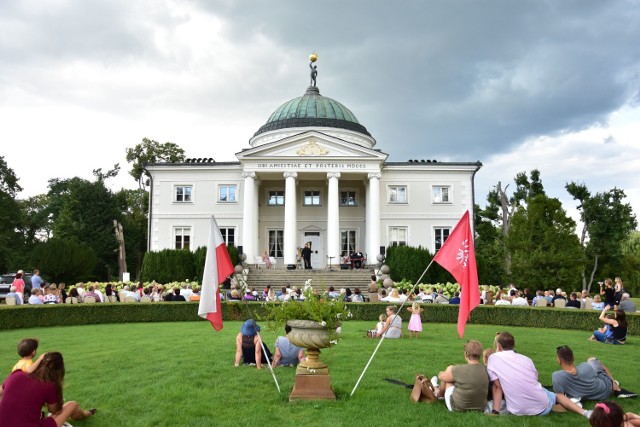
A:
(447, 397)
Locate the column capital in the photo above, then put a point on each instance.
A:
(249, 175)
(293, 175)
(374, 175)
(333, 175)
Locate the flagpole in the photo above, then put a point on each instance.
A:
(264, 351)
(383, 335)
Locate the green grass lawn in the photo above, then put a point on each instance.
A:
(182, 374)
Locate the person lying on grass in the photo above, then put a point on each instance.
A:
(23, 395)
(515, 376)
(590, 380)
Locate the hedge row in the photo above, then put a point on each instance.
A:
(93, 314)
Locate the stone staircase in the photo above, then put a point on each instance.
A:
(277, 278)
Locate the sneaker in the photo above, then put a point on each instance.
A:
(434, 381)
(587, 413)
(625, 394)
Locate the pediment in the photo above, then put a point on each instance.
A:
(310, 145)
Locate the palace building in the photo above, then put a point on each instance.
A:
(310, 174)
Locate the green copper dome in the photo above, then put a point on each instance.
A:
(312, 110)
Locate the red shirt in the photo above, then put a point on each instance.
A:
(19, 284)
(22, 401)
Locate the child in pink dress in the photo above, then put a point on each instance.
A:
(415, 323)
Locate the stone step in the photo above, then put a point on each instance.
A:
(260, 278)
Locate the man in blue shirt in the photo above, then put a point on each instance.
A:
(36, 280)
(455, 299)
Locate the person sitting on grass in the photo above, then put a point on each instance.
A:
(464, 387)
(610, 414)
(515, 377)
(287, 354)
(590, 380)
(393, 325)
(249, 346)
(618, 328)
(27, 349)
(374, 333)
(23, 395)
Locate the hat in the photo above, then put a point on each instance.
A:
(249, 328)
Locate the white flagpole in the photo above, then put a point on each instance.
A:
(383, 336)
(264, 351)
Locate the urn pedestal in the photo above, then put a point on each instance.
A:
(312, 375)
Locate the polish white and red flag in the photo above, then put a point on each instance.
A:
(217, 267)
(458, 256)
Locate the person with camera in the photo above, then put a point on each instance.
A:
(607, 292)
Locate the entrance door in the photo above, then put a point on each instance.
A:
(317, 248)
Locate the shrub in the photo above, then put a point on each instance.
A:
(65, 260)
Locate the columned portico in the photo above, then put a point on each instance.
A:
(373, 216)
(290, 219)
(249, 216)
(333, 217)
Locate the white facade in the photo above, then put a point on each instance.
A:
(322, 185)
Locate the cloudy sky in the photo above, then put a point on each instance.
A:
(518, 85)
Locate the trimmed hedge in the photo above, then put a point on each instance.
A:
(17, 317)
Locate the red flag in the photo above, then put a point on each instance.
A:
(217, 267)
(458, 256)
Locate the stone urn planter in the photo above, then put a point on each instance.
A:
(312, 375)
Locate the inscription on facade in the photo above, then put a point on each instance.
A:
(314, 165)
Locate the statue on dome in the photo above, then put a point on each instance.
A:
(314, 68)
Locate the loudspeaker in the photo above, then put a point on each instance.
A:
(291, 267)
(239, 250)
(382, 250)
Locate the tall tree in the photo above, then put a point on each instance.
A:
(150, 151)
(84, 211)
(607, 223)
(9, 215)
(546, 251)
(502, 206)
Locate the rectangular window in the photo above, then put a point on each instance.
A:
(398, 236)
(441, 235)
(276, 198)
(348, 198)
(184, 193)
(229, 236)
(183, 237)
(441, 194)
(397, 194)
(312, 198)
(227, 194)
(276, 243)
(348, 242)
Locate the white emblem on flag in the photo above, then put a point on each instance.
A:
(463, 253)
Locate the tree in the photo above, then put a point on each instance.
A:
(545, 249)
(501, 208)
(9, 215)
(607, 223)
(84, 211)
(133, 206)
(148, 152)
(65, 260)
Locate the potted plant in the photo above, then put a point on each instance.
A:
(315, 320)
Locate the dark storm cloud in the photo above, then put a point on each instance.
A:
(471, 77)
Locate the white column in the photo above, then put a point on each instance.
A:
(373, 217)
(333, 218)
(290, 218)
(249, 208)
(256, 214)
